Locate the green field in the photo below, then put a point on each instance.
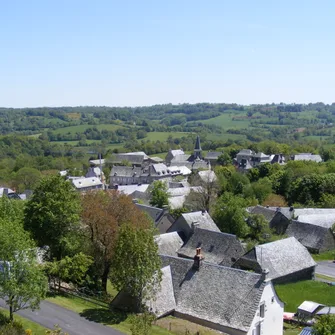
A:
(163, 136)
(226, 121)
(294, 294)
(83, 127)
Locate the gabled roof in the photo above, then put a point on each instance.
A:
(311, 211)
(218, 294)
(86, 182)
(168, 243)
(200, 220)
(165, 301)
(245, 152)
(213, 155)
(261, 155)
(309, 306)
(156, 159)
(131, 158)
(153, 212)
(216, 247)
(184, 170)
(180, 158)
(207, 176)
(131, 189)
(268, 213)
(307, 157)
(177, 152)
(126, 171)
(322, 220)
(283, 257)
(310, 235)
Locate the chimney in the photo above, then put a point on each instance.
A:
(203, 212)
(194, 225)
(265, 273)
(197, 259)
(291, 209)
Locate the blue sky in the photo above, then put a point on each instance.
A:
(142, 52)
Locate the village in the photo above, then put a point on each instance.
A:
(209, 277)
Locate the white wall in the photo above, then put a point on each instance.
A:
(272, 323)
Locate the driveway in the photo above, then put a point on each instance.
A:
(326, 268)
(50, 314)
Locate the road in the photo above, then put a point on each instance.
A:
(326, 268)
(50, 314)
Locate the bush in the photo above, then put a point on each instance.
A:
(141, 324)
(14, 328)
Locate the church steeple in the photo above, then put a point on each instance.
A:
(197, 148)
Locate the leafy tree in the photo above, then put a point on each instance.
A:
(52, 214)
(136, 264)
(22, 281)
(141, 324)
(262, 189)
(103, 214)
(327, 201)
(158, 194)
(69, 269)
(224, 159)
(26, 178)
(325, 325)
(11, 209)
(230, 215)
(259, 229)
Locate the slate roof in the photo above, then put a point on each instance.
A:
(201, 219)
(213, 155)
(131, 158)
(310, 235)
(131, 189)
(126, 171)
(153, 212)
(307, 157)
(177, 152)
(266, 212)
(322, 220)
(245, 152)
(177, 202)
(311, 211)
(180, 158)
(184, 170)
(326, 310)
(156, 159)
(216, 247)
(165, 301)
(80, 183)
(207, 176)
(278, 158)
(218, 294)
(282, 257)
(168, 243)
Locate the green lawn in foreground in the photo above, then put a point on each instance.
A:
(325, 256)
(97, 313)
(294, 294)
(27, 324)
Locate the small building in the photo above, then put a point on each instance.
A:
(87, 184)
(138, 159)
(216, 247)
(287, 260)
(95, 172)
(308, 309)
(188, 222)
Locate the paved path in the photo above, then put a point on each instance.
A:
(50, 314)
(326, 268)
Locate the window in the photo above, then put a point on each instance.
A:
(258, 329)
(262, 310)
(272, 299)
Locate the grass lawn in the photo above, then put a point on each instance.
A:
(163, 136)
(27, 324)
(294, 294)
(325, 256)
(292, 329)
(180, 327)
(94, 312)
(226, 121)
(332, 279)
(81, 128)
